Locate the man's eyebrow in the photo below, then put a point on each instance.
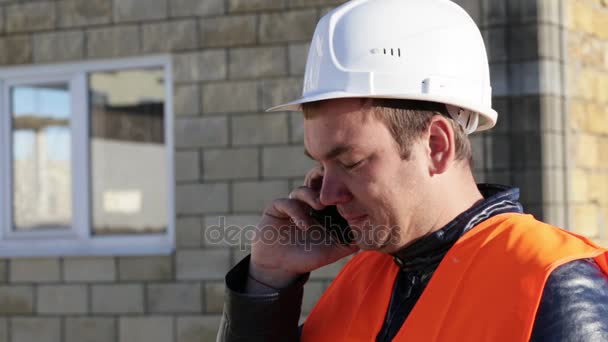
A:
(334, 152)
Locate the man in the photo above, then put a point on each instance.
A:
(392, 88)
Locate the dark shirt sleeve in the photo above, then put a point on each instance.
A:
(269, 317)
(574, 305)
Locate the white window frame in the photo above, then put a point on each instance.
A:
(78, 240)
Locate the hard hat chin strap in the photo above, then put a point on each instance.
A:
(469, 120)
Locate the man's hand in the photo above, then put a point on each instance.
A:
(302, 246)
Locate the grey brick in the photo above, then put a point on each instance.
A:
(523, 42)
(549, 41)
(189, 232)
(526, 78)
(90, 329)
(285, 162)
(259, 129)
(296, 123)
(33, 16)
(16, 300)
(202, 264)
(255, 196)
(62, 299)
(279, 91)
(186, 100)
(196, 7)
(527, 146)
(214, 297)
(552, 115)
(531, 185)
(197, 328)
(35, 329)
(496, 44)
(174, 298)
(20, 48)
(525, 115)
(287, 26)
(58, 46)
(254, 5)
(84, 12)
(498, 155)
(187, 166)
(257, 62)
(310, 3)
(550, 80)
(312, 292)
(117, 299)
(553, 145)
(229, 231)
(114, 41)
(145, 268)
(522, 11)
(499, 177)
(298, 53)
(88, 269)
(208, 65)
(34, 270)
(146, 329)
(3, 330)
(230, 164)
(228, 31)
(549, 12)
(202, 198)
(226, 97)
(201, 132)
(3, 271)
(169, 36)
(136, 10)
(495, 12)
(500, 79)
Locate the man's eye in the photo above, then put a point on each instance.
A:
(353, 165)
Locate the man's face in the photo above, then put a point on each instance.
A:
(379, 193)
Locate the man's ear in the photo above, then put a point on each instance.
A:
(442, 147)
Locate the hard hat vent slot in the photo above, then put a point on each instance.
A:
(387, 51)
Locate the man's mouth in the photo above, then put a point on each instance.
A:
(354, 220)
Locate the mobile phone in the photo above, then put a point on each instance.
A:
(336, 225)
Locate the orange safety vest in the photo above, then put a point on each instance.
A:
(487, 287)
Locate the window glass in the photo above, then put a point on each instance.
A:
(128, 155)
(41, 156)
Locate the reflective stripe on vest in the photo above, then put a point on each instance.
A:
(487, 287)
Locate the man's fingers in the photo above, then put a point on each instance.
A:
(314, 178)
(308, 196)
(293, 209)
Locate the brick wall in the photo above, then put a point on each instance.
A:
(587, 66)
(234, 58)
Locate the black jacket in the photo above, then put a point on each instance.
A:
(574, 305)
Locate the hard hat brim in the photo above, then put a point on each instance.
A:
(487, 120)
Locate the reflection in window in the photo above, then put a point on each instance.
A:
(128, 161)
(41, 156)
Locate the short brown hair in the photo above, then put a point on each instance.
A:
(407, 120)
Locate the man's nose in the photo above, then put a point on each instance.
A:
(334, 192)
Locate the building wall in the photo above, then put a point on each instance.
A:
(231, 60)
(587, 69)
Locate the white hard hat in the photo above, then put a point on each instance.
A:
(428, 50)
